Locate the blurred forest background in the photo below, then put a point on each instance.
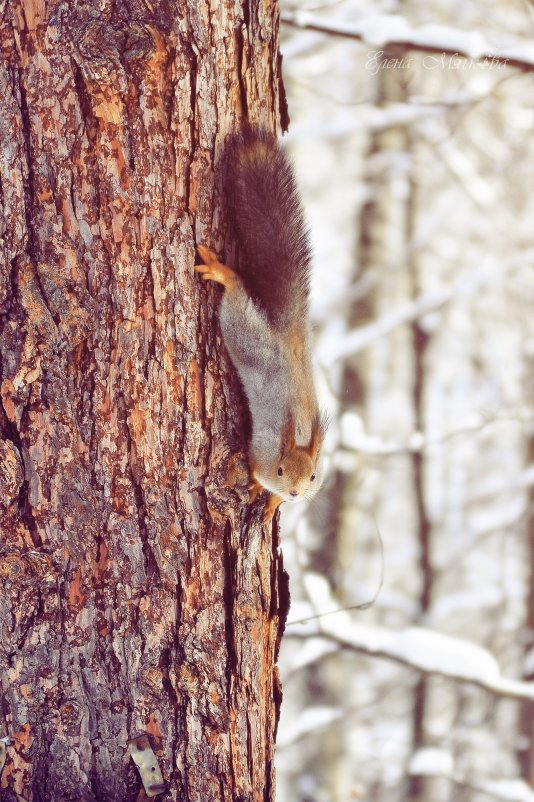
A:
(417, 171)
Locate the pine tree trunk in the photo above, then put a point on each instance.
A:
(139, 591)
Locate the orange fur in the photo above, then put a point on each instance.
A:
(213, 270)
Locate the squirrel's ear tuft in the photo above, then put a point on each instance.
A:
(319, 427)
(287, 443)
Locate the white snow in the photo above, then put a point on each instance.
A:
(383, 29)
(431, 761)
(422, 649)
(311, 651)
(460, 128)
(465, 287)
(311, 719)
(512, 790)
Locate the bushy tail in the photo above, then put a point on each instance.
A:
(266, 218)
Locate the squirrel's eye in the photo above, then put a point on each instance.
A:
(280, 471)
(312, 477)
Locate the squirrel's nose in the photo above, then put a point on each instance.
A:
(293, 493)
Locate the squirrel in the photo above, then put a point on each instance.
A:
(264, 317)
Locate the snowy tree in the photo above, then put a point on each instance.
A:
(417, 127)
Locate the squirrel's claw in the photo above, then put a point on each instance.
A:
(254, 489)
(273, 502)
(272, 505)
(207, 255)
(213, 270)
(205, 270)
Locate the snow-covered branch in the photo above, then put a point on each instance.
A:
(465, 286)
(443, 40)
(421, 649)
(439, 763)
(354, 439)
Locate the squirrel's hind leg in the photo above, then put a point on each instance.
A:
(213, 270)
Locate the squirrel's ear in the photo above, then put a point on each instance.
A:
(288, 436)
(319, 426)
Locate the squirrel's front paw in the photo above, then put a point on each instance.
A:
(272, 505)
(212, 269)
(254, 490)
(273, 502)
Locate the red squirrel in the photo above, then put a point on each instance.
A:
(264, 318)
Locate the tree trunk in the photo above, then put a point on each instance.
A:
(140, 593)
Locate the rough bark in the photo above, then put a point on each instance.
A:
(139, 592)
